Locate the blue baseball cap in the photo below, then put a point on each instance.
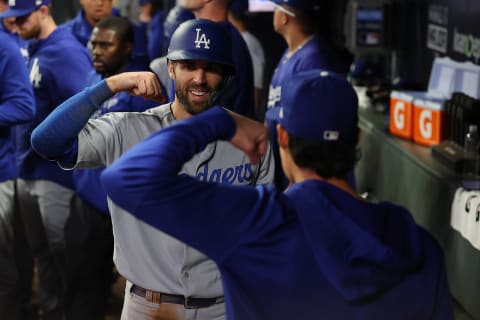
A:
(18, 8)
(318, 106)
(304, 5)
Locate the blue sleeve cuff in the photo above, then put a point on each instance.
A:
(99, 93)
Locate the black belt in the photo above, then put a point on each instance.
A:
(187, 302)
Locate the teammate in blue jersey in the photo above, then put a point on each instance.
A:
(93, 11)
(16, 106)
(309, 47)
(239, 93)
(88, 231)
(58, 68)
(317, 250)
(152, 15)
(176, 16)
(164, 276)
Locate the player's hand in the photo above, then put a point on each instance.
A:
(251, 137)
(144, 84)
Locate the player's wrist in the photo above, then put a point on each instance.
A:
(111, 83)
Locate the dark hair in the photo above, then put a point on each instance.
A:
(241, 16)
(327, 159)
(122, 26)
(156, 7)
(307, 20)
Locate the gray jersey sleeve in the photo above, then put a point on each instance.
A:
(101, 141)
(97, 141)
(105, 139)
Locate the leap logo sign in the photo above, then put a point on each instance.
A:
(428, 122)
(401, 114)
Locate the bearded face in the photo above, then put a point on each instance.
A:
(196, 83)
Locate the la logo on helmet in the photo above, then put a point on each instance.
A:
(201, 39)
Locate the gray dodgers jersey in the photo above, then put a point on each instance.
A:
(144, 255)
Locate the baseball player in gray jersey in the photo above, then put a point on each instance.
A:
(165, 278)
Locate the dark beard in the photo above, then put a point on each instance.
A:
(195, 108)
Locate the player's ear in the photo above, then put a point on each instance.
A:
(171, 68)
(282, 18)
(282, 137)
(44, 10)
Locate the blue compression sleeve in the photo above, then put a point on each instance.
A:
(58, 132)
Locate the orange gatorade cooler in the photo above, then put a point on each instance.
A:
(401, 113)
(428, 121)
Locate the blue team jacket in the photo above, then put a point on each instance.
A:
(16, 102)
(59, 66)
(313, 252)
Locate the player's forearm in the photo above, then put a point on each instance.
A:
(57, 133)
(140, 83)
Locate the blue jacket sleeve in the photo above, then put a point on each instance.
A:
(16, 95)
(212, 218)
(56, 135)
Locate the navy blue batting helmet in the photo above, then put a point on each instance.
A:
(201, 39)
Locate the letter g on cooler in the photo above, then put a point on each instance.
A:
(399, 115)
(426, 129)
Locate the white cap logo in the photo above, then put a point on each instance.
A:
(331, 135)
(11, 3)
(38, 3)
(201, 39)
